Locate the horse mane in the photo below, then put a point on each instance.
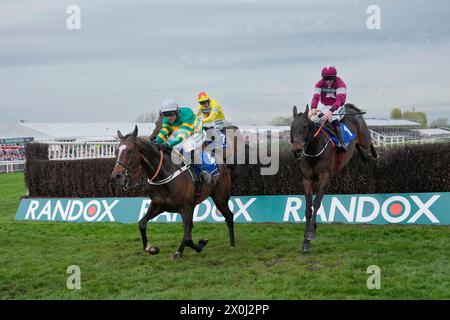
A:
(158, 124)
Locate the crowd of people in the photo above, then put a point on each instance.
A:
(265, 136)
(12, 154)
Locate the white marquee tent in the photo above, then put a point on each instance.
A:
(45, 131)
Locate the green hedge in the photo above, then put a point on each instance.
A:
(406, 169)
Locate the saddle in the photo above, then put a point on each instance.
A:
(329, 132)
(195, 175)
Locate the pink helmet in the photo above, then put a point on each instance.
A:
(329, 71)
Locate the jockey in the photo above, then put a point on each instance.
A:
(187, 129)
(212, 115)
(331, 91)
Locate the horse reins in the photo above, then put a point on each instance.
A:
(158, 170)
(161, 159)
(130, 178)
(323, 149)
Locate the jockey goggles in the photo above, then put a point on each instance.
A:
(329, 78)
(204, 102)
(169, 113)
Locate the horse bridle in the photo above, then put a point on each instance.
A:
(130, 177)
(308, 139)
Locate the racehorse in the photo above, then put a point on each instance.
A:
(319, 161)
(235, 145)
(170, 188)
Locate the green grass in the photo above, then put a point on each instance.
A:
(266, 264)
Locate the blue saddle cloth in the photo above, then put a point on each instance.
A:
(222, 143)
(208, 164)
(346, 132)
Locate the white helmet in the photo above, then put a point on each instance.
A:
(169, 105)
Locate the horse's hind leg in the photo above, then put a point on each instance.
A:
(222, 205)
(374, 151)
(365, 139)
(152, 212)
(362, 153)
(221, 196)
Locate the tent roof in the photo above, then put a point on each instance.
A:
(433, 132)
(391, 123)
(65, 130)
(18, 131)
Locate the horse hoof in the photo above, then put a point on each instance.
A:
(310, 236)
(151, 250)
(177, 255)
(306, 247)
(203, 242)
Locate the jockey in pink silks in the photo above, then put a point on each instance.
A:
(329, 98)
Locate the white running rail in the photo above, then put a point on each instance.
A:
(12, 166)
(380, 139)
(81, 150)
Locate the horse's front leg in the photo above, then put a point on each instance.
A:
(152, 212)
(308, 185)
(188, 216)
(324, 181)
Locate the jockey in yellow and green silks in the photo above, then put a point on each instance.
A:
(188, 136)
(179, 120)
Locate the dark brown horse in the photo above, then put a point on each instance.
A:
(319, 160)
(237, 148)
(172, 195)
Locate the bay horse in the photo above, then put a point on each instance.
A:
(168, 190)
(236, 144)
(319, 161)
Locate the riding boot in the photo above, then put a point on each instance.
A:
(341, 145)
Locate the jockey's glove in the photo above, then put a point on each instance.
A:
(164, 147)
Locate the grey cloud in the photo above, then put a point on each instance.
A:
(257, 57)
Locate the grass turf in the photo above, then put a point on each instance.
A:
(266, 263)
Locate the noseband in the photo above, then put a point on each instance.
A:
(130, 177)
(310, 138)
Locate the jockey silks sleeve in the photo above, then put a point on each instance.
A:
(212, 112)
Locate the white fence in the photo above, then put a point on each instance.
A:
(81, 150)
(12, 166)
(99, 150)
(380, 139)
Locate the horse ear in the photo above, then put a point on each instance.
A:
(294, 112)
(135, 132)
(307, 109)
(119, 134)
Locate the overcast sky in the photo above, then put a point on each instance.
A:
(258, 58)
